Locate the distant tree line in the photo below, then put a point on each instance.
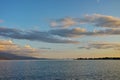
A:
(103, 58)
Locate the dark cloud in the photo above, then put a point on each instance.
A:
(55, 35)
(75, 32)
(102, 45)
(33, 36)
(45, 48)
(101, 21)
(78, 32)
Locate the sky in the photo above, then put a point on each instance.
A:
(60, 28)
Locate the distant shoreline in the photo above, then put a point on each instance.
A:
(103, 58)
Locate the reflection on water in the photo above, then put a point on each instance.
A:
(60, 70)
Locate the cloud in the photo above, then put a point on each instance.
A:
(102, 45)
(9, 42)
(107, 32)
(33, 36)
(9, 50)
(78, 32)
(55, 35)
(75, 32)
(63, 23)
(45, 48)
(101, 20)
(97, 20)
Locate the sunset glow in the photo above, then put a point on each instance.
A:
(60, 28)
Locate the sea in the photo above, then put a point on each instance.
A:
(59, 69)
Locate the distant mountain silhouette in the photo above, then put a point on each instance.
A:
(9, 56)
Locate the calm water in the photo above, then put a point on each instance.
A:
(60, 70)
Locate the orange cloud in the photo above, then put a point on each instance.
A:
(63, 23)
(9, 47)
(96, 20)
